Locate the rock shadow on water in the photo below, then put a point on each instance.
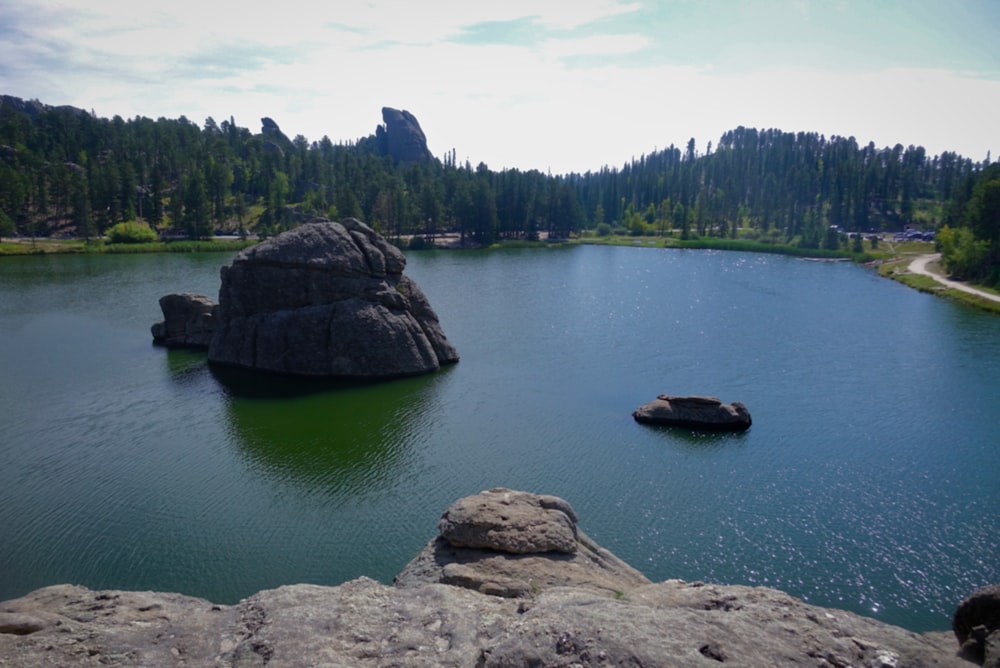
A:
(696, 439)
(329, 437)
(243, 383)
(184, 365)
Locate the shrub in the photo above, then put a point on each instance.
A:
(418, 242)
(131, 232)
(963, 255)
(7, 227)
(603, 229)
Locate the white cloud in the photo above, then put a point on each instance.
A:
(596, 45)
(590, 118)
(405, 21)
(567, 16)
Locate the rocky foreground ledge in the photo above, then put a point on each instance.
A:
(510, 581)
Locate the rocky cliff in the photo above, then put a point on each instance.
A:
(326, 300)
(597, 611)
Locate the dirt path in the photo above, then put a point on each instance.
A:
(919, 266)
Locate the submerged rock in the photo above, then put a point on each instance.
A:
(565, 620)
(694, 412)
(326, 300)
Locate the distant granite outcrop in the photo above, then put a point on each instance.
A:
(562, 621)
(694, 412)
(275, 141)
(33, 107)
(326, 300)
(401, 137)
(269, 128)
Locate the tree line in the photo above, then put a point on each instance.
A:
(66, 171)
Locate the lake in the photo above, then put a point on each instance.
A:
(869, 480)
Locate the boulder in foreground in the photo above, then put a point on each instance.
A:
(515, 544)
(694, 412)
(976, 624)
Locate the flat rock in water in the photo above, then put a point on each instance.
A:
(694, 412)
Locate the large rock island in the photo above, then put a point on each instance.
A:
(510, 581)
(323, 300)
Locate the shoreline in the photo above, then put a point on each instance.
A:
(915, 274)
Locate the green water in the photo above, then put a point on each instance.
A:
(867, 482)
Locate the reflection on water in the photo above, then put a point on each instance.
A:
(249, 384)
(332, 437)
(184, 364)
(696, 439)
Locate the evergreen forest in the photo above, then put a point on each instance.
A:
(67, 172)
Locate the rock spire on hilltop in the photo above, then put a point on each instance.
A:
(401, 137)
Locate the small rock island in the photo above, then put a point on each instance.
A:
(694, 412)
(323, 300)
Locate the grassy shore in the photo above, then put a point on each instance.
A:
(43, 246)
(897, 269)
(746, 245)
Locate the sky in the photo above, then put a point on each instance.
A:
(560, 86)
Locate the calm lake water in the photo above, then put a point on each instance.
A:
(869, 480)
